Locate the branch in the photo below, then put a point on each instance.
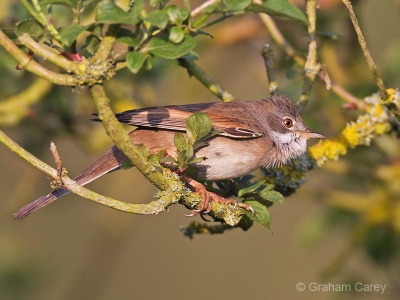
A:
(280, 39)
(268, 56)
(42, 19)
(198, 10)
(215, 88)
(153, 207)
(32, 66)
(364, 48)
(69, 66)
(291, 52)
(311, 67)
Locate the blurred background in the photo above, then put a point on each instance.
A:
(342, 226)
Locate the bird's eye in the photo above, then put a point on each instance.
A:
(288, 122)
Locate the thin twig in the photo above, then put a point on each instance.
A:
(42, 19)
(153, 207)
(32, 66)
(311, 67)
(268, 56)
(198, 10)
(58, 161)
(367, 54)
(26, 40)
(291, 52)
(344, 94)
(206, 80)
(278, 37)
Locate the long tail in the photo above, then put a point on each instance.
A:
(111, 161)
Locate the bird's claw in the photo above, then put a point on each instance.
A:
(209, 197)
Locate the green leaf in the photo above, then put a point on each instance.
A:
(272, 196)
(135, 61)
(174, 13)
(168, 50)
(196, 160)
(92, 43)
(29, 26)
(108, 12)
(125, 5)
(251, 189)
(176, 35)
(149, 63)
(262, 215)
(197, 126)
(180, 141)
(125, 36)
(68, 3)
(236, 5)
(158, 18)
(280, 8)
(71, 32)
(126, 165)
(143, 151)
(185, 13)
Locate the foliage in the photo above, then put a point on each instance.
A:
(96, 41)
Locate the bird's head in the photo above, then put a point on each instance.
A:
(287, 130)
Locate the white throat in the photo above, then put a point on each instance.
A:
(285, 147)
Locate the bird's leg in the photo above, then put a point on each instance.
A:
(209, 197)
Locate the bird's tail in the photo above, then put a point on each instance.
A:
(111, 161)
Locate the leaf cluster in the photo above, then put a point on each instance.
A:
(146, 30)
(198, 131)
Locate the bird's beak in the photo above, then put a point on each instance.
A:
(309, 134)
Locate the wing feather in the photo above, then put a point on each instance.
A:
(174, 118)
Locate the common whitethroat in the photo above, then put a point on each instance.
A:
(251, 134)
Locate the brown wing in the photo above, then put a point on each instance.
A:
(231, 122)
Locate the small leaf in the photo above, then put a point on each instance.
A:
(179, 141)
(143, 151)
(280, 8)
(250, 189)
(108, 12)
(125, 36)
(197, 126)
(272, 196)
(165, 49)
(236, 5)
(125, 5)
(176, 35)
(29, 26)
(126, 165)
(199, 145)
(135, 61)
(71, 32)
(192, 55)
(262, 215)
(92, 43)
(174, 13)
(149, 63)
(68, 3)
(185, 13)
(196, 160)
(158, 18)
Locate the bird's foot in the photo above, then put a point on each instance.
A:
(209, 197)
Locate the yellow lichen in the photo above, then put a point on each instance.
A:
(328, 149)
(351, 135)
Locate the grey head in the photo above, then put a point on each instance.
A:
(286, 130)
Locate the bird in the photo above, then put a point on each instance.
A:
(250, 134)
